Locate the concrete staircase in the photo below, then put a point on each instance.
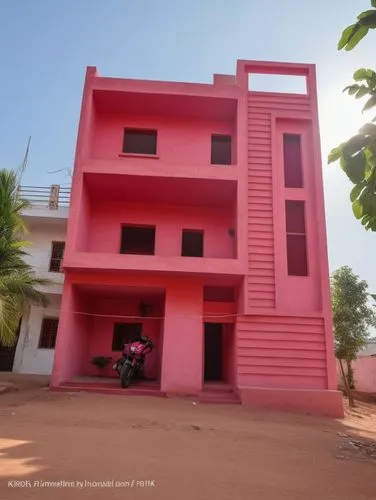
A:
(218, 393)
(215, 393)
(111, 386)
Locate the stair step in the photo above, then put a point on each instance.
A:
(214, 397)
(105, 389)
(218, 397)
(109, 385)
(222, 388)
(220, 401)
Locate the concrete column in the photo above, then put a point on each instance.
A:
(64, 350)
(53, 203)
(182, 358)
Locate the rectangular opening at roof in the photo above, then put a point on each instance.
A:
(192, 243)
(140, 141)
(285, 84)
(137, 240)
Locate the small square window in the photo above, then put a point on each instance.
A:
(221, 150)
(57, 253)
(192, 243)
(140, 141)
(123, 333)
(138, 240)
(47, 339)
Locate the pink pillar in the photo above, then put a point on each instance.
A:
(72, 339)
(182, 358)
(61, 370)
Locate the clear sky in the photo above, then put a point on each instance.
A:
(45, 46)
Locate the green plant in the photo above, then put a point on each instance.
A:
(18, 282)
(101, 361)
(353, 315)
(357, 156)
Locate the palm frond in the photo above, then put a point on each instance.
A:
(10, 315)
(18, 282)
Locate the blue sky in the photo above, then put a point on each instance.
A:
(45, 46)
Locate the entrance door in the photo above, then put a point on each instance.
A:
(213, 352)
(7, 353)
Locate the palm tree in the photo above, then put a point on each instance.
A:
(18, 283)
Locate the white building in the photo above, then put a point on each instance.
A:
(47, 223)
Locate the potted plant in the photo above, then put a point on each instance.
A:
(101, 362)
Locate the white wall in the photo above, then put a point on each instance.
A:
(29, 358)
(41, 235)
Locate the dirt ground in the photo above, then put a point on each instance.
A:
(63, 445)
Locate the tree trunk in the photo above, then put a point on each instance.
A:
(350, 375)
(346, 382)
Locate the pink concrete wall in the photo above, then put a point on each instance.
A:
(284, 340)
(106, 220)
(298, 294)
(317, 402)
(79, 203)
(364, 374)
(79, 230)
(258, 208)
(72, 340)
(101, 334)
(281, 352)
(182, 361)
(179, 140)
(293, 348)
(228, 353)
(268, 284)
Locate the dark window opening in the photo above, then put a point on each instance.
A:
(47, 339)
(138, 240)
(221, 150)
(295, 217)
(123, 333)
(140, 141)
(192, 243)
(292, 158)
(57, 253)
(297, 264)
(219, 294)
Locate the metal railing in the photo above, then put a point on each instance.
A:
(52, 197)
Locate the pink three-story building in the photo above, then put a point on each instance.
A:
(197, 217)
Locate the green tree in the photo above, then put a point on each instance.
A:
(357, 156)
(18, 283)
(353, 316)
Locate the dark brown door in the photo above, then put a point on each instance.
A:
(7, 354)
(213, 352)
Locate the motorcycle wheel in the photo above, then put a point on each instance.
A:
(126, 375)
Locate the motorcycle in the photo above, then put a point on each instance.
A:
(131, 364)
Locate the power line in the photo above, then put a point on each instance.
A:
(138, 317)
